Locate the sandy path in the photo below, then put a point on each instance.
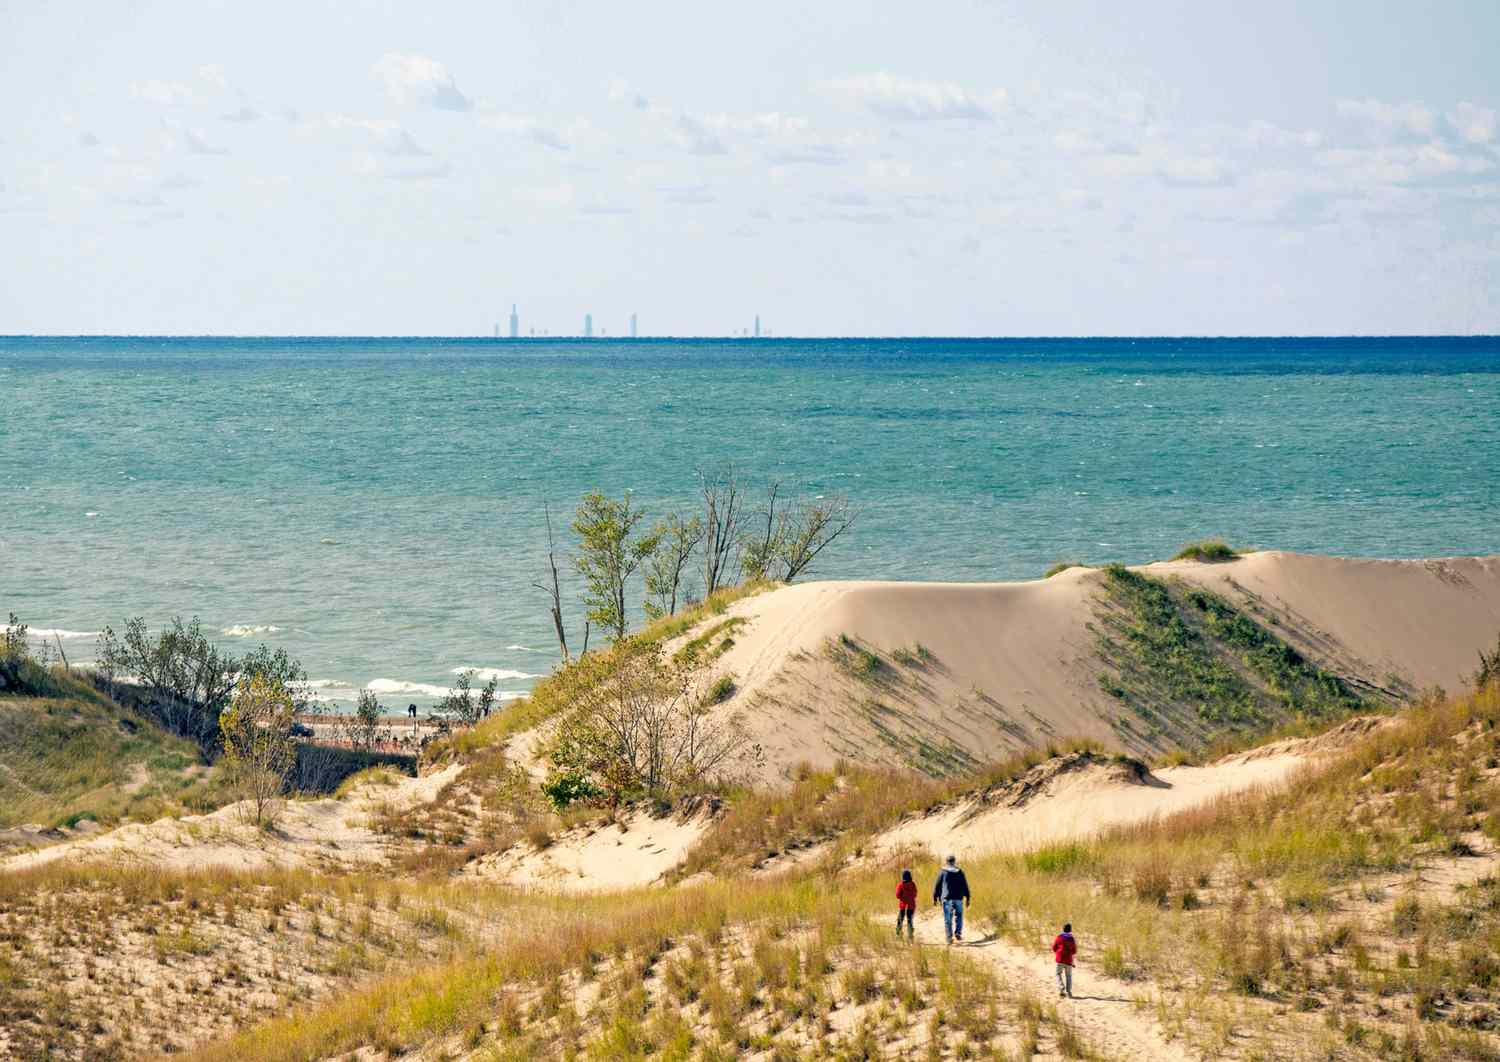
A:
(1103, 1010)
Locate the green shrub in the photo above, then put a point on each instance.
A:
(566, 788)
(722, 689)
(1209, 551)
(1060, 567)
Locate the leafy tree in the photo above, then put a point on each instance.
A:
(1489, 665)
(260, 750)
(15, 654)
(723, 511)
(637, 727)
(186, 680)
(807, 529)
(461, 704)
(366, 723)
(676, 543)
(609, 554)
(759, 550)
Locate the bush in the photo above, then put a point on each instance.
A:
(1059, 568)
(722, 689)
(566, 788)
(1209, 551)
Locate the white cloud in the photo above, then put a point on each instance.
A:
(555, 195)
(697, 138)
(1406, 165)
(87, 139)
(419, 79)
(909, 99)
(198, 144)
(435, 171)
(1262, 134)
(814, 153)
(693, 195)
(771, 124)
(402, 144)
(530, 128)
(244, 113)
(164, 93)
(212, 74)
(1402, 119)
(621, 92)
(1194, 171)
(605, 210)
(1473, 123)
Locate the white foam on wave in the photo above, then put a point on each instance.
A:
(51, 632)
(244, 630)
(524, 649)
(420, 689)
(484, 674)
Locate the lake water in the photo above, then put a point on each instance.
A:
(376, 505)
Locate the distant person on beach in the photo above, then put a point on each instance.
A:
(951, 889)
(906, 900)
(1064, 947)
(411, 710)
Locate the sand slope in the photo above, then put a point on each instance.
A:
(330, 832)
(1010, 665)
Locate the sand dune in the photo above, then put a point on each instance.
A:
(1010, 665)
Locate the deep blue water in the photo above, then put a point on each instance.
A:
(379, 501)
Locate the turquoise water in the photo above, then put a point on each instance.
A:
(376, 505)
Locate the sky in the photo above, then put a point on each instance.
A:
(840, 169)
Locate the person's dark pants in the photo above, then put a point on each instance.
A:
(904, 914)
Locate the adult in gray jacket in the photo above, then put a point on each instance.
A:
(951, 889)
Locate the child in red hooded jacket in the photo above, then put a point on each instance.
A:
(1064, 947)
(906, 897)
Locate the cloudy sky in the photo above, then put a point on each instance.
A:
(944, 168)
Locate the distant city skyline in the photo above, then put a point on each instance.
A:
(966, 168)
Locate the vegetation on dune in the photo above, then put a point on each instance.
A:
(1208, 550)
(1265, 905)
(71, 754)
(1309, 895)
(848, 804)
(636, 726)
(1195, 668)
(1060, 567)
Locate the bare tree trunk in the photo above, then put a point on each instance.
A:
(722, 504)
(555, 590)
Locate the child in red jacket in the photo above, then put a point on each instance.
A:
(906, 897)
(1064, 947)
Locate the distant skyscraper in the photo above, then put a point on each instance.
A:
(757, 326)
(588, 326)
(497, 329)
(632, 326)
(515, 323)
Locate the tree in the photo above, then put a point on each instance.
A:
(260, 751)
(609, 554)
(759, 551)
(555, 589)
(723, 502)
(186, 679)
(809, 528)
(637, 726)
(677, 541)
(1489, 666)
(460, 702)
(366, 722)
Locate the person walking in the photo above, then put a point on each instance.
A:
(906, 900)
(951, 889)
(1064, 947)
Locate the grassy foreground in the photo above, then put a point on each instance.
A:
(1294, 917)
